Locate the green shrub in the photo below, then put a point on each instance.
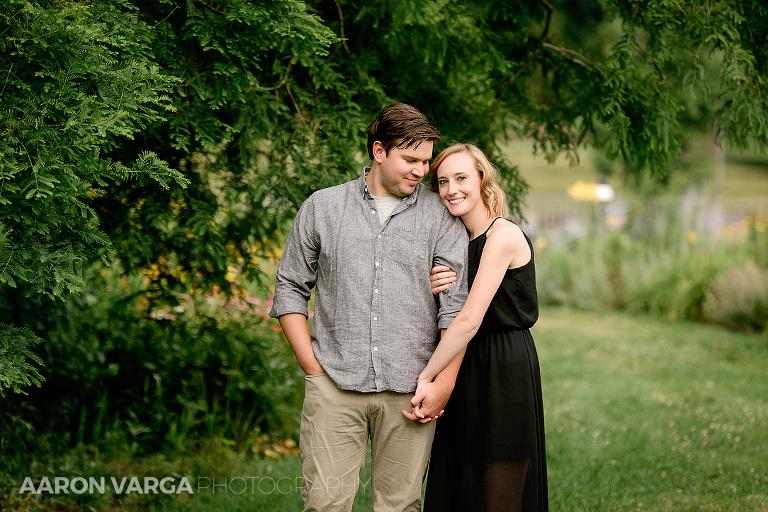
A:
(575, 275)
(128, 370)
(670, 285)
(738, 297)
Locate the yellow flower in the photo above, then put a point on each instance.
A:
(588, 191)
(583, 191)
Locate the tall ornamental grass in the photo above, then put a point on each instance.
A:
(659, 262)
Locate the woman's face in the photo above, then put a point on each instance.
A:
(458, 182)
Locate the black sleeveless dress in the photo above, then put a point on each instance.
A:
(495, 414)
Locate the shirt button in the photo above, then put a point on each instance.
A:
(379, 235)
(373, 212)
(375, 349)
(375, 318)
(376, 290)
(377, 263)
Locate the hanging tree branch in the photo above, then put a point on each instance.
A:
(489, 113)
(576, 58)
(535, 51)
(341, 27)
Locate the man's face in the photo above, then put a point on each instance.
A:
(401, 170)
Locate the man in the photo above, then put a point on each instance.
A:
(368, 246)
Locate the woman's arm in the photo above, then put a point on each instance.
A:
(505, 246)
(434, 400)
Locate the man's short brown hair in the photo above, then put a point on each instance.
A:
(400, 126)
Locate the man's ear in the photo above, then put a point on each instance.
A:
(379, 153)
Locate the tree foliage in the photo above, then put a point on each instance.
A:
(74, 79)
(16, 358)
(180, 136)
(109, 105)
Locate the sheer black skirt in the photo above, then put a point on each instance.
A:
(493, 428)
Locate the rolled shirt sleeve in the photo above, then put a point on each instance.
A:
(297, 271)
(451, 250)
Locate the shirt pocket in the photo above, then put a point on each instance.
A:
(408, 249)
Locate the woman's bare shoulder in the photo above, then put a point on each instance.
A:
(507, 236)
(506, 232)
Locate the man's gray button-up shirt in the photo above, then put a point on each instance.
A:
(375, 321)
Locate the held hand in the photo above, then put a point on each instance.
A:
(429, 402)
(434, 402)
(417, 398)
(440, 278)
(419, 413)
(414, 418)
(419, 395)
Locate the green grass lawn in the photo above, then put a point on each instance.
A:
(642, 414)
(646, 414)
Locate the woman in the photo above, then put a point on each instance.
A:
(488, 452)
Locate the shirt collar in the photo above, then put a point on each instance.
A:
(364, 185)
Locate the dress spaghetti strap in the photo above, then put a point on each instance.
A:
(489, 227)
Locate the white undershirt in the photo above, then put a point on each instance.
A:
(385, 205)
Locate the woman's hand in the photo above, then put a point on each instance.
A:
(428, 403)
(440, 278)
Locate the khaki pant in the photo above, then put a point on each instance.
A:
(335, 427)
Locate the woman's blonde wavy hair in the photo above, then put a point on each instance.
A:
(493, 196)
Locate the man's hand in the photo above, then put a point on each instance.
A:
(440, 278)
(429, 402)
